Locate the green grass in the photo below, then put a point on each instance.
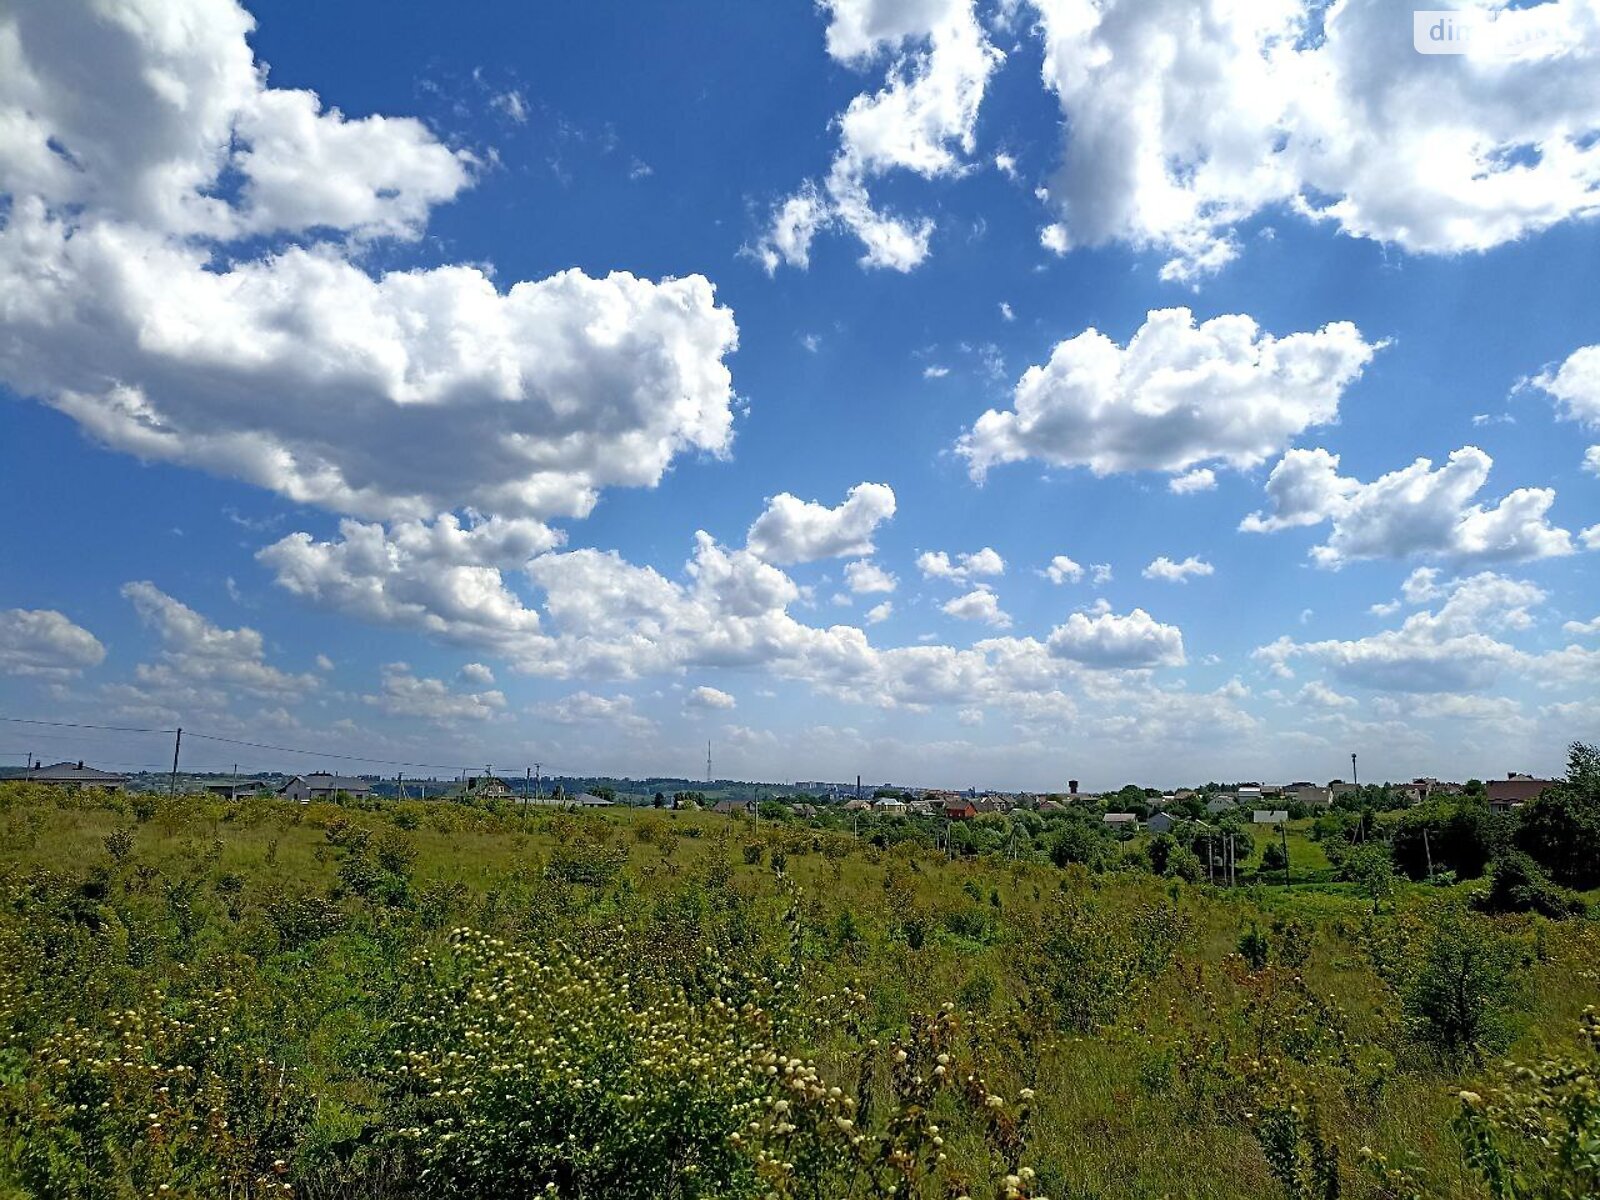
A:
(1151, 1099)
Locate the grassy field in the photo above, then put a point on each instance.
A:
(424, 999)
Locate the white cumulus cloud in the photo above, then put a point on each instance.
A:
(980, 604)
(140, 145)
(1415, 511)
(938, 62)
(709, 698)
(45, 643)
(1164, 568)
(1178, 395)
(1109, 640)
(792, 530)
(1186, 117)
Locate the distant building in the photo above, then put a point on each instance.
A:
(76, 775)
(889, 804)
(1248, 795)
(1341, 789)
(1160, 823)
(1269, 816)
(1310, 795)
(239, 789)
(1222, 804)
(487, 787)
(1515, 790)
(589, 800)
(1121, 821)
(320, 785)
(960, 810)
(734, 808)
(857, 805)
(805, 810)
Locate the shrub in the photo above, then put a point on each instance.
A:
(1519, 886)
(156, 1102)
(1537, 1133)
(1561, 829)
(1458, 1000)
(119, 843)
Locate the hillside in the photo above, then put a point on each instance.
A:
(427, 999)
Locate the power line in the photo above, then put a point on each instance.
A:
(77, 725)
(219, 738)
(360, 758)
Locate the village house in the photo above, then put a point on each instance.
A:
(959, 810)
(487, 787)
(1310, 795)
(1515, 790)
(1162, 822)
(76, 775)
(1121, 822)
(320, 785)
(238, 789)
(1266, 816)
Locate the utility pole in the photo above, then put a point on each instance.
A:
(172, 786)
(708, 762)
(399, 787)
(527, 778)
(1428, 850)
(1354, 778)
(538, 782)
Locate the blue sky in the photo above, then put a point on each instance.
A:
(339, 433)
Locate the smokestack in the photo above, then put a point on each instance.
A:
(1072, 786)
(858, 787)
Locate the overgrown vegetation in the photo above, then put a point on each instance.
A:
(202, 999)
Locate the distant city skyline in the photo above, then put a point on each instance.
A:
(922, 390)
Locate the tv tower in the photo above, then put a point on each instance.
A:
(708, 762)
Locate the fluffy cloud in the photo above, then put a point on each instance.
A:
(46, 644)
(1202, 479)
(1063, 570)
(439, 577)
(1179, 394)
(866, 578)
(922, 120)
(1184, 119)
(477, 673)
(1591, 460)
(587, 708)
(709, 699)
(1178, 572)
(197, 652)
(879, 613)
(1106, 639)
(936, 564)
(1413, 511)
(139, 144)
(1452, 649)
(980, 604)
(404, 694)
(1575, 385)
(792, 530)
